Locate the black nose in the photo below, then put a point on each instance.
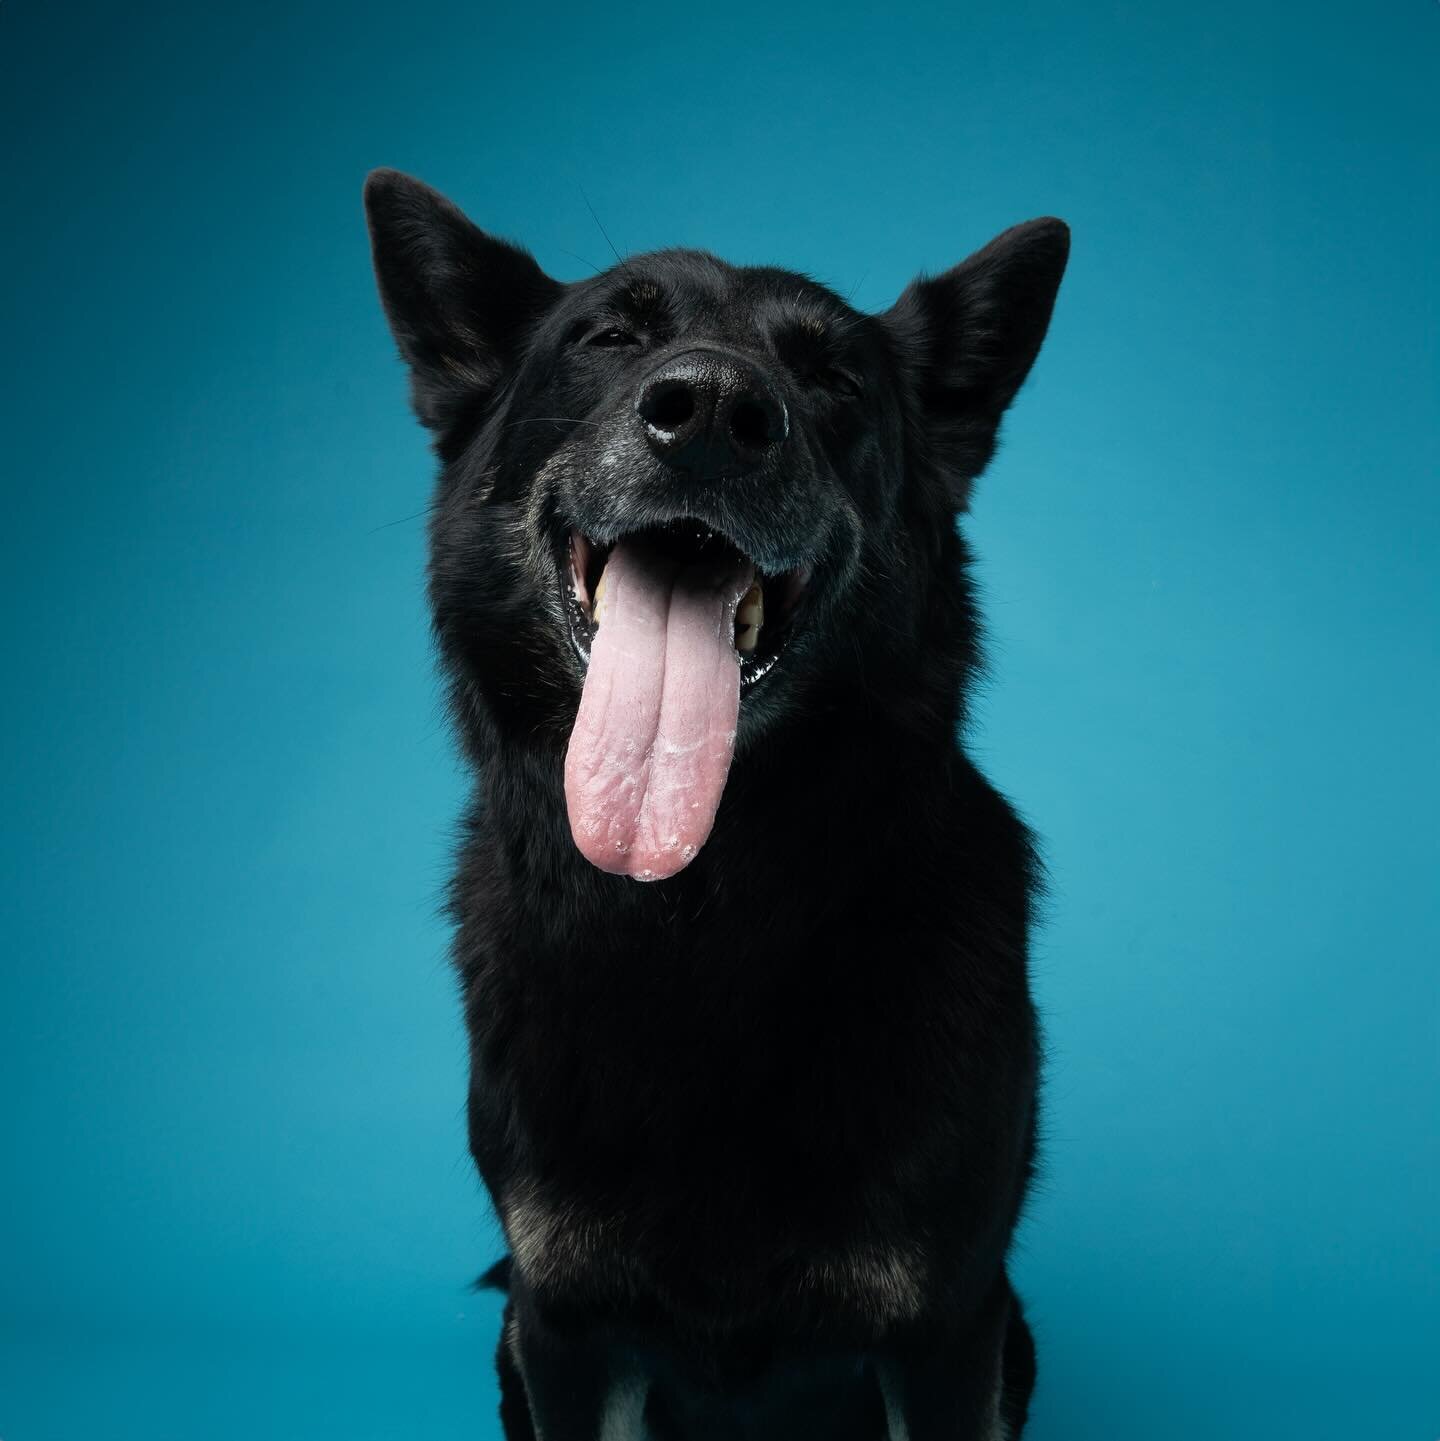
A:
(711, 414)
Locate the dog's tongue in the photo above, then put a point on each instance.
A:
(656, 730)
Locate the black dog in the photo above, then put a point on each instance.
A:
(759, 1132)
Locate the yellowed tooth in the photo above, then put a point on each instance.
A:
(751, 610)
(749, 617)
(597, 606)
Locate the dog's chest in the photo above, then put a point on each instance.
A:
(683, 1257)
(718, 1140)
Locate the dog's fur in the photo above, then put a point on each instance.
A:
(758, 1133)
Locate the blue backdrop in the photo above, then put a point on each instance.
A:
(236, 1200)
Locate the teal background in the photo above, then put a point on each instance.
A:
(236, 1201)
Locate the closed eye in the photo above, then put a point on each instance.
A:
(840, 383)
(612, 337)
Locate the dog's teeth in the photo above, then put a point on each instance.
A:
(751, 610)
(598, 609)
(749, 617)
(579, 565)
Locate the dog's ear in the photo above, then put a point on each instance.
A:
(970, 337)
(459, 301)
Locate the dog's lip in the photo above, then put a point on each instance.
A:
(580, 562)
(603, 524)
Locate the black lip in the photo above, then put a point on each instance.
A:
(789, 584)
(766, 545)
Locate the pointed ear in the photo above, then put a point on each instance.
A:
(970, 337)
(459, 301)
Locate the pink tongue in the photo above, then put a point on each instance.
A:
(656, 730)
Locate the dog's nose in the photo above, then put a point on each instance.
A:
(711, 414)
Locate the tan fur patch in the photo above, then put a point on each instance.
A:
(887, 1282)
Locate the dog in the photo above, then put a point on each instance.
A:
(741, 932)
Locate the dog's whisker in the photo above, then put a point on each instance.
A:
(598, 269)
(620, 259)
(404, 520)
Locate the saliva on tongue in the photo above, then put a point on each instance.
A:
(655, 733)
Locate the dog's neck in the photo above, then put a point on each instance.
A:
(792, 793)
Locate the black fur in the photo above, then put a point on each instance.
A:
(759, 1133)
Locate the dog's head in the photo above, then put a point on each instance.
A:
(682, 498)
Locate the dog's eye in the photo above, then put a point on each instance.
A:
(612, 337)
(840, 383)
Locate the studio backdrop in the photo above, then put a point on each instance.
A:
(236, 1198)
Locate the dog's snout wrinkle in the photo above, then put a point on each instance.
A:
(709, 413)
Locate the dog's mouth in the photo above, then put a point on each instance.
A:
(671, 623)
(764, 615)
